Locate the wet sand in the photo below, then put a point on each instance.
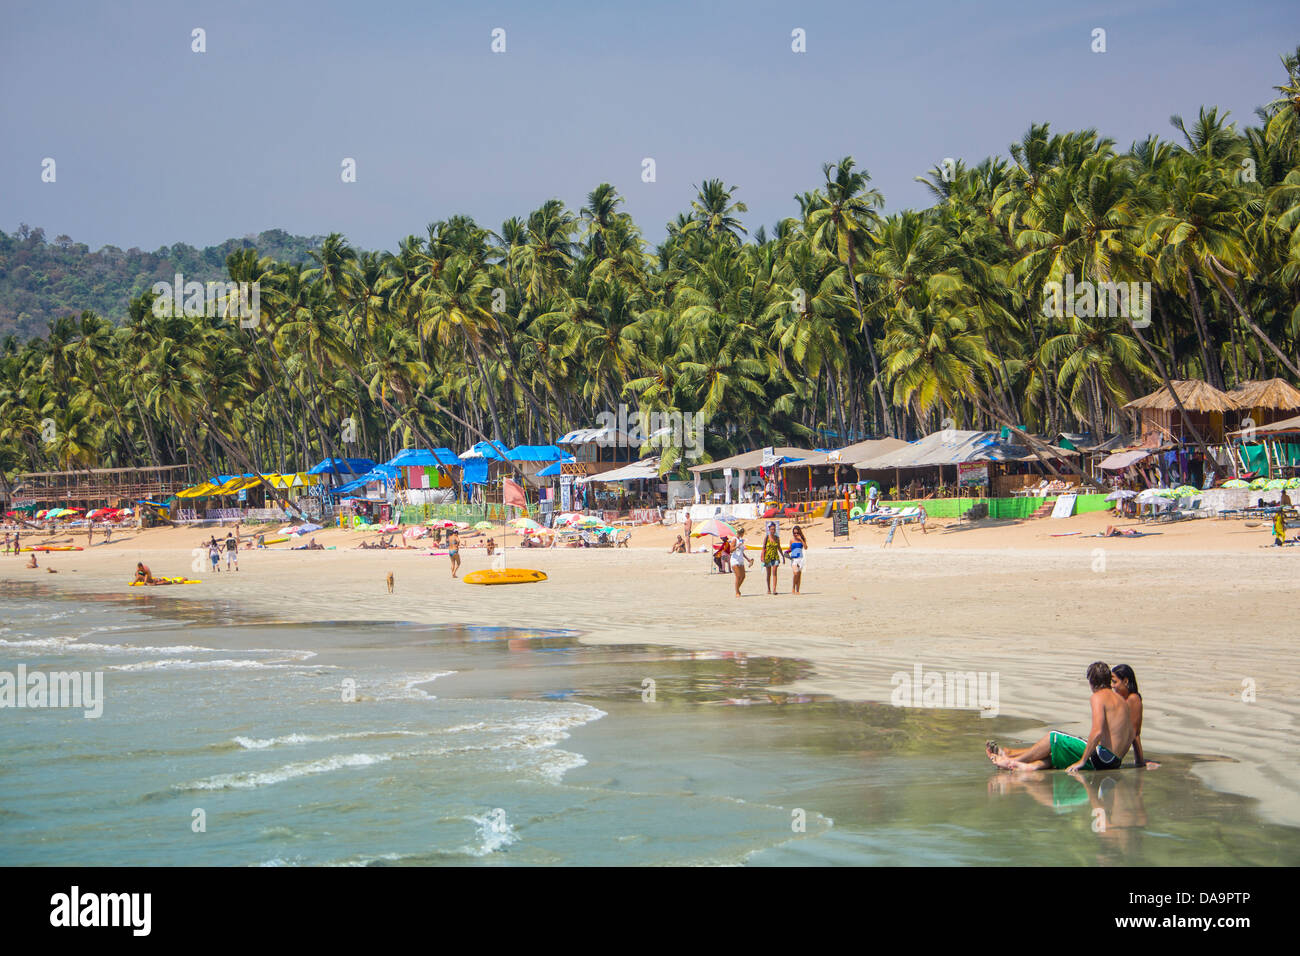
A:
(1202, 613)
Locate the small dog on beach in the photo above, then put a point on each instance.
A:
(390, 582)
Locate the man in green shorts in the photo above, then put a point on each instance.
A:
(1108, 741)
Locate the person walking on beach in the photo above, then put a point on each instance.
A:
(772, 556)
(739, 559)
(453, 550)
(1279, 529)
(1109, 738)
(795, 553)
(688, 532)
(214, 555)
(232, 551)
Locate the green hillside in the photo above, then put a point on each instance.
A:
(41, 280)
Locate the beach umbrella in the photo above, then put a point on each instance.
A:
(1276, 484)
(483, 526)
(1236, 483)
(714, 527)
(1293, 482)
(526, 524)
(1121, 495)
(1258, 484)
(1150, 495)
(462, 525)
(1186, 491)
(589, 521)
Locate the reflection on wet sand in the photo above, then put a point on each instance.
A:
(1110, 800)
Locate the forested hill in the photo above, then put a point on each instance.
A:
(41, 279)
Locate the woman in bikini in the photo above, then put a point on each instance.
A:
(795, 554)
(453, 550)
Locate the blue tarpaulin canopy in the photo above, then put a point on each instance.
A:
(536, 453)
(342, 466)
(384, 473)
(553, 469)
(422, 458)
(483, 450)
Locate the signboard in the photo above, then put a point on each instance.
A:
(893, 526)
(566, 492)
(840, 522)
(971, 473)
(1064, 506)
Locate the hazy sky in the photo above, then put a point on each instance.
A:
(156, 144)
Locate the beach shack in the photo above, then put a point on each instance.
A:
(1160, 422)
(954, 463)
(428, 476)
(749, 472)
(819, 476)
(594, 450)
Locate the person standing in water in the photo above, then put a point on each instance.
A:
(772, 556)
(795, 553)
(453, 550)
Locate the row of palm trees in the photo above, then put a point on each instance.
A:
(841, 323)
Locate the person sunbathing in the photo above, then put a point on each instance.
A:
(1109, 738)
(1114, 532)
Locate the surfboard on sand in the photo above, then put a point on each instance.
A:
(508, 576)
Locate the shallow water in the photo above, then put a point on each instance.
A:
(229, 741)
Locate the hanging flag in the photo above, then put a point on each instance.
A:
(513, 494)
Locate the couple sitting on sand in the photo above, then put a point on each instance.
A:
(1116, 726)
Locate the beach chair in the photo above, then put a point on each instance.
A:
(622, 538)
(909, 515)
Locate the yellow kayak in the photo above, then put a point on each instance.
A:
(508, 576)
(165, 581)
(275, 541)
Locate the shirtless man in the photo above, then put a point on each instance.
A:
(1108, 741)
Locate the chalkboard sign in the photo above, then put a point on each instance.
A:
(840, 522)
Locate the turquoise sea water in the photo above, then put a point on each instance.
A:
(226, 740)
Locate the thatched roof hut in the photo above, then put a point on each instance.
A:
(1195, 396)
(1267, 401)
(1206, 406)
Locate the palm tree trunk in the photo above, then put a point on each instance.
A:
(1245, 317)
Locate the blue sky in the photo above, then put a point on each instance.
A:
(156, 144)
